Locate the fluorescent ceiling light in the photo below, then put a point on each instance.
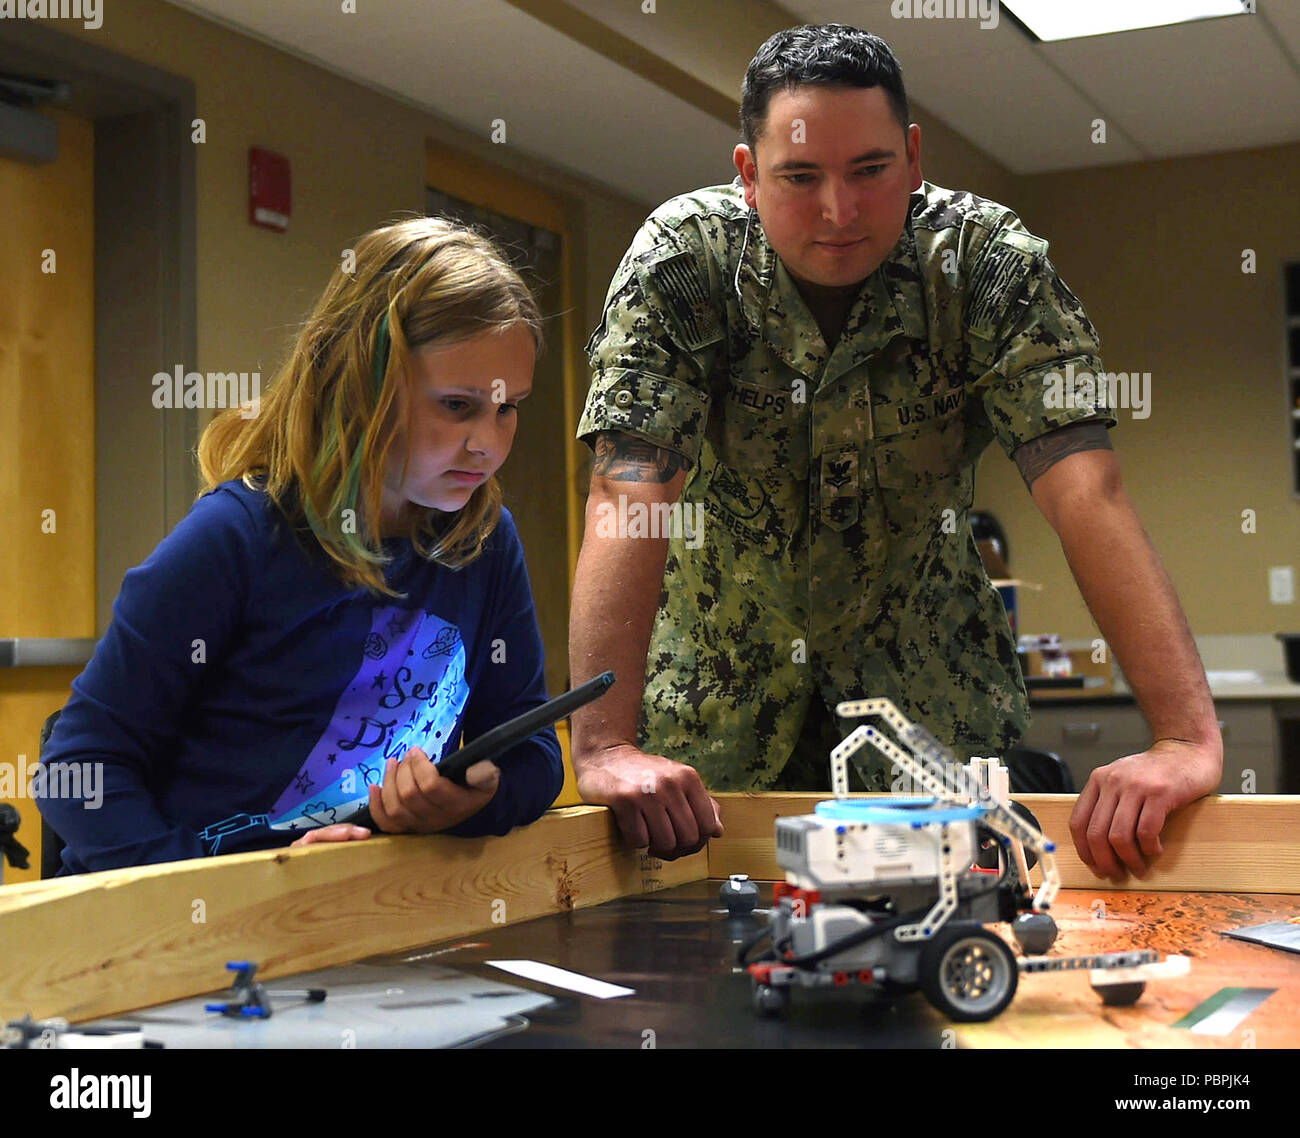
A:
(1070, 19)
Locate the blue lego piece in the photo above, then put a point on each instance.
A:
(887, 812)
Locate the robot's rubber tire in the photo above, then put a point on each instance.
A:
(968, 973)
(770, 1001)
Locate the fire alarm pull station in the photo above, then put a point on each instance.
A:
(269, 189)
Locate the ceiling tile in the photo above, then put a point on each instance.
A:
(1192, 89)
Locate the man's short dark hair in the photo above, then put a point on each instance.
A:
(827, 55)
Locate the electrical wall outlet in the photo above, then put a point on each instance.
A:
(1281, 585)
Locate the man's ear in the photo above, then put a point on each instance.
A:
(743, 158)
(914, 155)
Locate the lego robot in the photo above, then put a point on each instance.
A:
(895, 893)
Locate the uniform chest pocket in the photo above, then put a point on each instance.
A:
(925, 480)
(744, 518)
(764, 432)
(924, 454)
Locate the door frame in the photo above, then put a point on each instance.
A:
(496, 188)
(145, 285)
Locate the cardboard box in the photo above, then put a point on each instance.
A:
(1099, 679)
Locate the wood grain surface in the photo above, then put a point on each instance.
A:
(1248, 843)
(103, 943)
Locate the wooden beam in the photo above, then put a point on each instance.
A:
(104, 943)
(631, 55)
(1237, 843)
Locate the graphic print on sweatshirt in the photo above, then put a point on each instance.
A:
(409, 692)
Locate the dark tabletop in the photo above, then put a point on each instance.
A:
(677, 949)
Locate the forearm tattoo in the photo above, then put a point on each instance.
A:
(1038, 455)
(621, 458)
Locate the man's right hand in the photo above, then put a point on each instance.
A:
(656, 802)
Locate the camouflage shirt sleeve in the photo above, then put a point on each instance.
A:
(653, 354)
(1034, 342)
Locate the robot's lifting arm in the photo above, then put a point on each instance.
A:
(935, 768)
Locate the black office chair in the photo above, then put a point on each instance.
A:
(12, 851)
(1037, 772)
(51, 843)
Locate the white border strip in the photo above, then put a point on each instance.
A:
(562, 978)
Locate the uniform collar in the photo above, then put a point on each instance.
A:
(891, 301)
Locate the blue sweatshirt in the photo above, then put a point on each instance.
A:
(243, 695)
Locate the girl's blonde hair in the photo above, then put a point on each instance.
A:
(320, 444)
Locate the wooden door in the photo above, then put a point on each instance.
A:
(47, 442)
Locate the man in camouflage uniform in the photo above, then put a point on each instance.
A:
(831, 402)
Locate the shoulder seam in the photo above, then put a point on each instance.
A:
(719, 207)
(258, 526)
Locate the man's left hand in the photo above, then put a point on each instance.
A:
(1118, 817)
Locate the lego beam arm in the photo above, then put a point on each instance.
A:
(934, 767)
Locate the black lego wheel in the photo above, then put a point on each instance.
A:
(968, 973)
(1120, 995)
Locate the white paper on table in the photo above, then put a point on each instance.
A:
(1242, 677)
(562, 978)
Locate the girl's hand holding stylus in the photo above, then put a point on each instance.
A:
(416, 799)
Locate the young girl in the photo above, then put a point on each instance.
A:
(346, 592)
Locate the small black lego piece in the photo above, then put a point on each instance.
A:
(1034, 932)
(739, 894)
